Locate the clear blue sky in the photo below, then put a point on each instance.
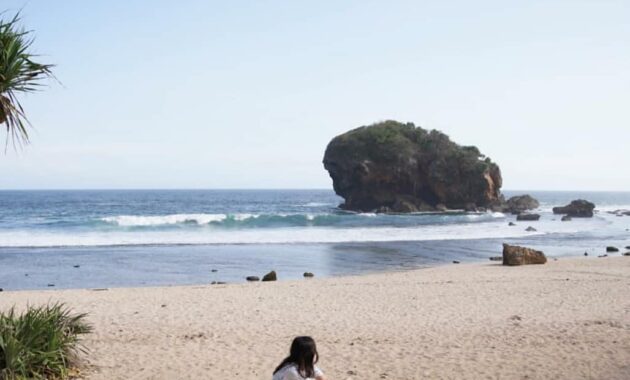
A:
(237, 94)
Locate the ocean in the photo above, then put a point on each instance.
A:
(109, 238)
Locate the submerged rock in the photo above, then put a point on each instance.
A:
(530, 229)
(566, 218)
(612, 249)
(530, 217)
(515, 255)
(271, 276)
(496, 258)
(521, 203)
(404, 168)
(578, 208)
(511, 224)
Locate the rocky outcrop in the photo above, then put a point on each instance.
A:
(521, 203)
(528, 217)
(515, 255)
(579, 208)
(396, 167)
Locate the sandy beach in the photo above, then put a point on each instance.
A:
(568, 319)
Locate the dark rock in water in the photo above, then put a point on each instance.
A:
(515, 255)
(612, 249)
(627, 254)
(496, 258)
(602, 256)
(511, 224)
(77, 266)
(1, 290)
(271, 276)
(530, 217)
(530, 229)
(308, 274)
(213, 270)
(627, 246)
(585, 253)
(579, 208)
(566, 218)
(521, 203)
(391, 165)
(455, 262)
(51, 285)
(252, 278)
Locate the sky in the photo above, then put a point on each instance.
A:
(247, 94)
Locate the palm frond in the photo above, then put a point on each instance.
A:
(19, 73)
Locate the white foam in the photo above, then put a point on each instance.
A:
(159, 220)
(481, 230)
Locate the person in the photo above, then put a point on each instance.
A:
(300, 364)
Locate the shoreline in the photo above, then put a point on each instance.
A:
(568, 319)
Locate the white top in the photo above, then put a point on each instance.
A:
(290, 372)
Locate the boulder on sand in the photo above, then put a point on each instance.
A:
(578, 208)
(521, 203)
(515, 255)
(529, 217)
(271, 276)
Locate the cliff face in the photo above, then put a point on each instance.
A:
(391, 166)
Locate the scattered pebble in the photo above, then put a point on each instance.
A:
(163, 305)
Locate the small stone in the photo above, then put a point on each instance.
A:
(51, 285)
(213, 283)
(77, 266)
(252, 278)
(1, 290)
(585, 253)
(612, 249)
(163, 305)
(496, 258)
(271, 276)
(308, 274)
(455, 262)
(566, 218)
(524, 216)
(602, 256)
(214, 270)
(627, 254)
(511, 224)
(530, 229)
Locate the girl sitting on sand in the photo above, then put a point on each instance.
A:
(300, 364)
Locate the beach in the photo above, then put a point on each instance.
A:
(567, 319)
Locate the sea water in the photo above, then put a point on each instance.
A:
(95, 238)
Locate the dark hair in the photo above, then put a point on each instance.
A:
(303, 355)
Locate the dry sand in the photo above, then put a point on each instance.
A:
(568, 319)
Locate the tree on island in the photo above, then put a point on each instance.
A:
(19, 73)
